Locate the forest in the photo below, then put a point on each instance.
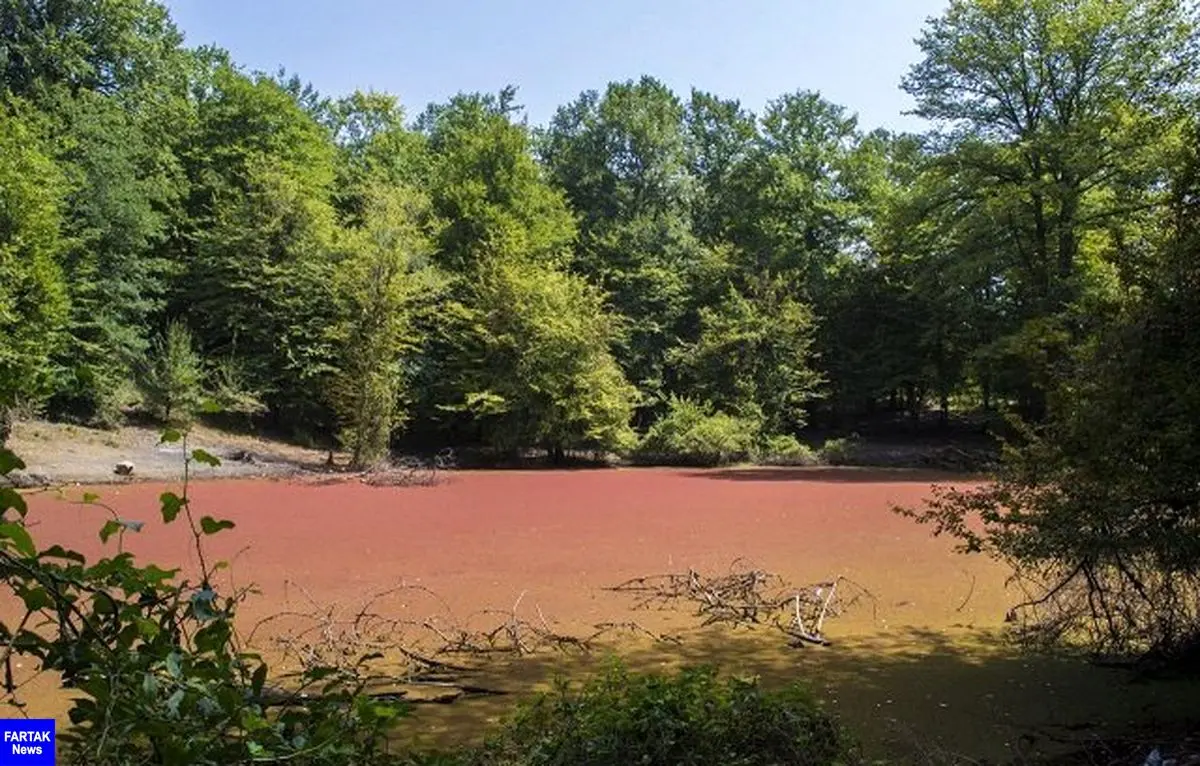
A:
(178, 232)
(651, 272)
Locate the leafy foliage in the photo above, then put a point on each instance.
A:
(171, 376)
(1091, 507)
(693, 717)
(693, 433)
(383, 269)
(257, 282)
(540, 370)
(154, 661)
(33, 295)
(752, 357)
(785, 449)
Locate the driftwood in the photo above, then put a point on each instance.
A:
(406, 471)
(435, 652)
(748, 596)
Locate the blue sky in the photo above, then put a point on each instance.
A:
(853, 51)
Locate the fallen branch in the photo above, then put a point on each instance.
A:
(748, 597)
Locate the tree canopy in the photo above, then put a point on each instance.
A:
(648, 267)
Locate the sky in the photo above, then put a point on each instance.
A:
(853, 51)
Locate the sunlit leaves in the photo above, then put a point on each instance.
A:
(15, 535)
(206, 458)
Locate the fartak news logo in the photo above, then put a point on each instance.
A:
(27, 742)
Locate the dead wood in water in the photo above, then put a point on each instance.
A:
(407, 655)
(748, 596)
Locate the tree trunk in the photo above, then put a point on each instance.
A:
(6, 424)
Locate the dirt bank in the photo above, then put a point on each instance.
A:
(56, 453)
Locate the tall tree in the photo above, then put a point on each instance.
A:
(519, 349)
(382, 270)
(375, 147)
(1098, 509)
(1058, 113)
(752, 357)
(535, 367)
(33, 295)
(257, 271)
(489, 189)
(621, 158)
(721, 136)
(794, 206)
(113, 77)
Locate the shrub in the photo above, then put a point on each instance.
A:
(689, 718)
(839, 451)
(691, 433)
(785, 449)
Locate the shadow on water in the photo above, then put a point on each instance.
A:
(837, 475)
(909, 696)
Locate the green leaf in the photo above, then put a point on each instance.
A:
(11, 499)
(110, 528)
(210, 407)
(172, 504)
(20, 538)
(170, 436)
(9, 462)
(59, 552)
(174, 667)
(205, 457)
(36, 598)
(155, 575)
(148, 629)
(89, 498)
(257, 751)
(215, 636)
(174, 701)
(211, 526)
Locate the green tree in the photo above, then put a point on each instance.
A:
(752, 358)
(113, 77)
(518, 351)
(721, 136)
(33, 295)
(537, 368)
(1061, 116)
(486, 185)
(382, 270)
(793, 211)
(171, 376)
(125, 186)
(375, 147)
(902, 316)
(1097, 509)
(101, 46)
(256, 272)
(621, 158)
